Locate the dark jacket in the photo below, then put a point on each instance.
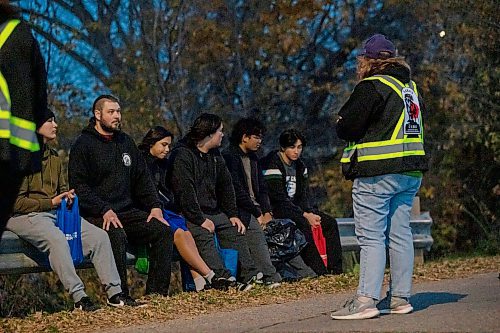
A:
(246, 207)
(371, 114)
(22, 65)
(275, 177)
(38, 189)
(201, 183)
(158, 172)
(109, 174)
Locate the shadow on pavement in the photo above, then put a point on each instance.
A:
(422, 301)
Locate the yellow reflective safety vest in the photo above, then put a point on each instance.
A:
(18, 132)
(403, 151)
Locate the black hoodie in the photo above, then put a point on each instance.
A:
(109, 174)
(201, 183)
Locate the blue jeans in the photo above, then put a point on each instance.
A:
(382, 207)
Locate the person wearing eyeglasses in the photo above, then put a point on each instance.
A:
(252, 201)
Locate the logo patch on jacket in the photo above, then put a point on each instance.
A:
(127, 160)
(412, 119)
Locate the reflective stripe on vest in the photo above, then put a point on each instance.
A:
(399, 145)
(19, 132)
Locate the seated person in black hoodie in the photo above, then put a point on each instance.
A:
(252, 201)
(204, 193)
(155, 147)
(111, 178)
(288, 185)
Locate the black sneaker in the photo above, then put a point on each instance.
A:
(221, 283)
(116, 301)
(129, 301)
(86, 304)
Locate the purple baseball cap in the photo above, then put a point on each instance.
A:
(377, 44)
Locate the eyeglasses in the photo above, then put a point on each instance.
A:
(256, 137)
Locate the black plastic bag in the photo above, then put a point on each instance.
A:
(284, 240)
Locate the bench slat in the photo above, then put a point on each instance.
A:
(19, 257)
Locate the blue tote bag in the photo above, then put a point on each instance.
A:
(229, 257)
(69, 222)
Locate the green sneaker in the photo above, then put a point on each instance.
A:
(355, 309)
(394, 305)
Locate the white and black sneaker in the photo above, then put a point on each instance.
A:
(220, 283)
(273, 281)
(86, 304)
(116, 301)
(272, 285)
(129, 301)
(254, 281)
(243, 286)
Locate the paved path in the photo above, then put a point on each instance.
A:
(460, 305)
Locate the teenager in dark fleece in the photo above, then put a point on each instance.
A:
(111, 178)
(288, 185)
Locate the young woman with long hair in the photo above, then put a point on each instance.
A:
(155, 147)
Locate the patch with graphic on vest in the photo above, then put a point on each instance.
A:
(412, 121)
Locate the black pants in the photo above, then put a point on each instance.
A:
(228, 237)
(9, 189)
(137, 231)
(310, 253)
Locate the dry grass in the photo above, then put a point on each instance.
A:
(191, 304)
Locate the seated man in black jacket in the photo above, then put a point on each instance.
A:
(111, 178)
(204, 193)
(288, 185)
(253, 204)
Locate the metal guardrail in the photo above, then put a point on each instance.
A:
(18, 256)
(420, 226)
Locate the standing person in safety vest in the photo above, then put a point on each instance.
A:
(385, 158)
(23, 103)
